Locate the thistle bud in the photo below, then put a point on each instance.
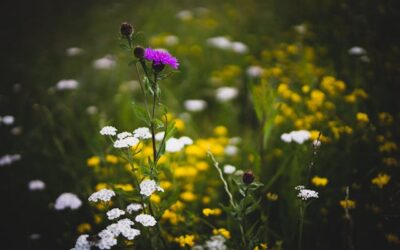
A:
(138, 51)
(126, 29)
(248, 177)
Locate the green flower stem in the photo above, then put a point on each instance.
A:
(301, 223)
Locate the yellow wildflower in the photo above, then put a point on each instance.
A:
(278, 120)
(93, 161)
(385, 119)
(388, 147)
(209, 211)
(362, 117)
(381, 180)
(155, 198)
(179, 125)
(101, 186)
(84, 228)
(272, 196)
(390, 161)
(165, 185)
(185, 240)
(347, 204)
(125, 187)
(319, 181)
(351, 98)
(392, 238)
(98, 219)
(202, 165)
(188, 196)
(220, 131)
(112, 159)
(261, 246)
(305, 89)
(206, 200)
(223, 232)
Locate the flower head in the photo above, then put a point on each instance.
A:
(306, 194)
(108, 130)
(67, 200)
(160, 57)
(147, 187)
(146, 220)
(115, 213)
(103, 195)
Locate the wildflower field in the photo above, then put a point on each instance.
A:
(204, 125)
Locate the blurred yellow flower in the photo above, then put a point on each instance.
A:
(155, 198)
(202, 165)
(347, 204)
(209, 211)
(319, 181)
(392, 238)
(188, 196)
(101, 186)
(390, 161)
(223, 232)
(165, 185)
(362, 117)
(388, 147)
(206, 200)
(220, 131)
(112, 159)
(125, 187)
(385, 119)
(93, 161)
(84, 228)
(179, 125)
(185, 240)
(272, 196)
(381, 180)
(261, 246)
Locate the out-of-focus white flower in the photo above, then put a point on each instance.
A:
(316, 143)
(195, 105)
(160, 136)
(102, 195)
(147, 187)
(301, 29)
(67, 200)
(123, 135)
(92, 110)
(74, 51)
(16, 130)
(220, 42)
(231, 150)
(142, 133)
(197, 247)
(299, 136)
(224, 94)
(82, 243)
(146, 220)
(36, 185)
(254, 71)
(8, 120)
(67, 84)
(106, 62)
(357, 51)
(216, 242)
(34, 236)
(107, 240)
(134, 207)
(235, 140)
(299, 187)
(184, 15)
(123, 227)
(171, 40)
(239, 47)
(173, 145)
(115, 213)
(365, 59)
(9, 159)
(306, 194)
(186, 140)
(229, 169)
(126, 142)
(108, 130)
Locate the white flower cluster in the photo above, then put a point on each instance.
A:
(225, 94)
(299, 136)
(126, 142)
(174, 145)
(133, 207)
(115, 213)
(7, 119)
(74, 51)
(146, 220)
(306, 194)
(102, 195)
(231, 150)
(36, 185)
(224, 43)
(216, 242)
(108, 130)
(123, 135)
(105, 63)
(229, 169)
(184, 15)
(67, 200)
(124, 227)
(142, 133)
(195, 105)
(357, 51)
(160, 136)
(147, 187)
(9, 159)
(66, 84)
(82, 243)
(254, 71)
(107, 240)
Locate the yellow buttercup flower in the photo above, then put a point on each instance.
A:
(125, 187)
(381, 180)
(155, 198)
(112, 159)
(93, 161)
(185, 240)
(209, 211)
(347, 204)
(101, 186)
(220, 131)
(261, 246)
(84, 228)
(223, 232)
(188, 196)
(179, 125)
(319, 181)
(362, 117)
(272, 196)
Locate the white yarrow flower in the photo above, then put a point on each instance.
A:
(105, 63)
(146, 220)
(231, 150)
(36, 185)
(82, 243)
(8, 120)
(357, 51)
(102, 195)
(67, 84)
(186, 140)
(67, 200)
(134, 207)
(9, 159)
(107, 240)
(147, 187)
(160, 136)
(229, 169)
(142, 133)
(173, 145)
(74, 51)
(224, 94)
(254, 71)
(127, 142)
(115, 213)
(299, 136)
(123, 135)
(195, 105)
(306, 194)
(108, 130)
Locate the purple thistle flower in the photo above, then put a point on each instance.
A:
(160, 57)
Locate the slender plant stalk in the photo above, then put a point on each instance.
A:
(301, 223)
